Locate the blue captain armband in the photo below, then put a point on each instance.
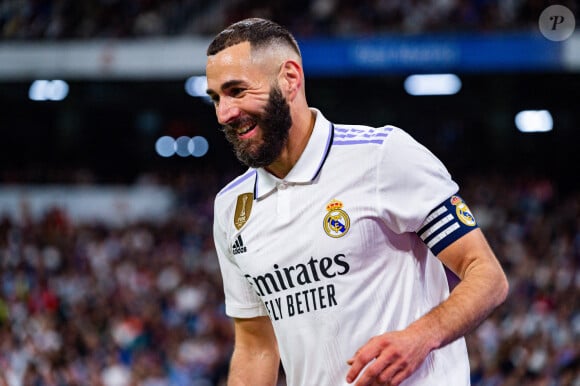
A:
(446, 223)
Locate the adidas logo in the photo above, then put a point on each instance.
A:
(239, 246)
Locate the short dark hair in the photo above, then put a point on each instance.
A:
(259, 32)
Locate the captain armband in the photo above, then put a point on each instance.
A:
(446, 223)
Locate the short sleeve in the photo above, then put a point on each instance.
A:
(412, 181)
(241, 300)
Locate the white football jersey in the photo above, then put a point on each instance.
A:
(333, 253)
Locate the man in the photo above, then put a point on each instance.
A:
(332, 244)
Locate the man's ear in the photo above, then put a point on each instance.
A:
(290, 78)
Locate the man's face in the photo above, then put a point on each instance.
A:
(249, 104)
(274, 123)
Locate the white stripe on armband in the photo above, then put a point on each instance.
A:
(435, 214)
(446, 232)
(432, 229)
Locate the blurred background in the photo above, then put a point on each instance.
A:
(110, 157)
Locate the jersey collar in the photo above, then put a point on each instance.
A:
(309, 164)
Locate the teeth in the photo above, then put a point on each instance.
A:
(244, 130)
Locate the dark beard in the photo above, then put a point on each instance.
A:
(275, 123)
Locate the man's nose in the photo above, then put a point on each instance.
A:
(226, 111)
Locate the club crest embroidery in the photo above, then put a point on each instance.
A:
(243, 209)
(336, 222)
(463, 212)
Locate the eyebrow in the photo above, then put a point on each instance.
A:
(225, 86)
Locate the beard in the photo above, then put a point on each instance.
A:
(275, 123)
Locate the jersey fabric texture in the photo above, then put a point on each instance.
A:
(332, 253)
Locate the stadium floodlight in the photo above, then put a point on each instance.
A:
(200, 146)
(165, 146)
(432, 84)
(196, 86)
(183, 146)
(48, 90)
(534, 121)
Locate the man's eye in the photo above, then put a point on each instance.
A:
(236, 91)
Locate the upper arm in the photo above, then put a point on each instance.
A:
(472, 253)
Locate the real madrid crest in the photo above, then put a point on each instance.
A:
(462, 211)
(243, 209)
(336, 222)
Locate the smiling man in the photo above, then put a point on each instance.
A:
(332, 245)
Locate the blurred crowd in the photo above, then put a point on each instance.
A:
(94, 304)
(534, 228)
(142, 304)
(72, 19)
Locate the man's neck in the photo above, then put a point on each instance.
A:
(298, 138)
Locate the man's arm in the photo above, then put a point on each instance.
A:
(255, 360)
(482, 288)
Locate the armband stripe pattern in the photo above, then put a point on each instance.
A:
(446, 223)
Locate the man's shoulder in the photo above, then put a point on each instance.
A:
(241, 184)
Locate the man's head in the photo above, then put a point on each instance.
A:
(259, 33)
(254, 74)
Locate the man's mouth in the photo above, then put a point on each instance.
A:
(242, 130)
